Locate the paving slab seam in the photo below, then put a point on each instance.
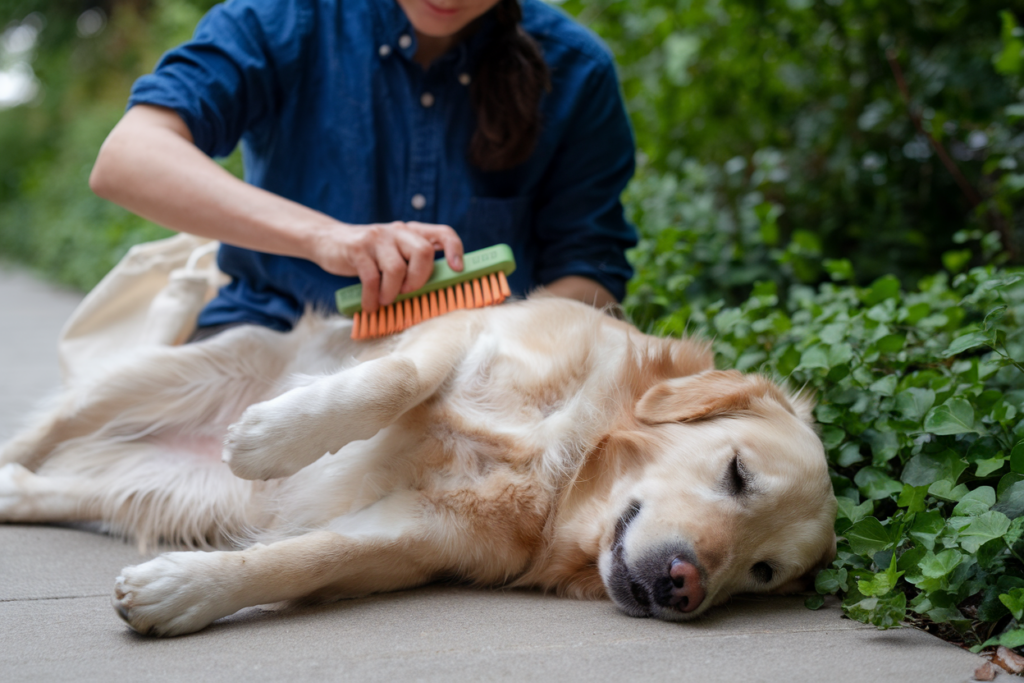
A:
(351, 658)
(56, 597)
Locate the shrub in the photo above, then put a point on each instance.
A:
(920, 402)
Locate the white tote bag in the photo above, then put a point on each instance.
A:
(152, 296)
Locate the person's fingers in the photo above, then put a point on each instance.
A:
(419, 254)
(445, 239)
(392, 269)
(369, 276)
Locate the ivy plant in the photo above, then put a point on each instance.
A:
(920, 402)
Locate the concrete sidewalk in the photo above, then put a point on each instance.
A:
(56, 623)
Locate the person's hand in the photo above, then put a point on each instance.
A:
(389, 258)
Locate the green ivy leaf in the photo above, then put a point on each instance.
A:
(885, 287)
(831, 580)
(915, 402)
(879, 584)
(1011, 501)
(988, 466)
(1014, 601)
(1010, 639)
(814, 357)
(885, 386)
(976, 502)
(916, 313)
(892, 343)
(884, 613)
(848, 509)
(965, 343)
(924, 469)
(936, 566)
(913, 498)
(827, 413)
(849, 455)
(838, 354)
(831, 436)
(984, 528)
(868, 537)
(945, 490)
(1017, 458)
(955, 416)
(1003, 412)
(884, 445)
(838, 269)
(875, 484)
(814, 601)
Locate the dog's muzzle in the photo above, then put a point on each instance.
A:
(667, 582)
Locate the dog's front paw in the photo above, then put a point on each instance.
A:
(174, 594)
(13, 499)
(273, 439)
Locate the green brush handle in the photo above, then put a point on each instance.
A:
(475, 264)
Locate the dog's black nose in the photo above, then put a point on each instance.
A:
(683, 589)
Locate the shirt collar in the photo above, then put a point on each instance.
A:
(391, 26)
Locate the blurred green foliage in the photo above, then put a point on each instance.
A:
(792, 201)
(775, 135)
(48, 216)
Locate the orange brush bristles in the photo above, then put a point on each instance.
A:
(488, 290)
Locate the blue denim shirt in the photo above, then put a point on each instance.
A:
(333, 113)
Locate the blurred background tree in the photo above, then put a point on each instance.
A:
(66, 68)
(773, 135)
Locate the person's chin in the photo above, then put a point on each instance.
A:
(435, 21)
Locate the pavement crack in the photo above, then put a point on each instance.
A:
(55, 597)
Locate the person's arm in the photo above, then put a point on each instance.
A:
(150, 166)
(582, 289)
(581, 231)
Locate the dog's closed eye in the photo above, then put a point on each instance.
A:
(762, 572)
(737, 480)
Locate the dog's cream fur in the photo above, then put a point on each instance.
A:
(539, 443)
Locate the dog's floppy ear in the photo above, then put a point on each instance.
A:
(696, 396)
(803, 403)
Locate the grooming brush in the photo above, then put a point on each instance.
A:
(482, 282)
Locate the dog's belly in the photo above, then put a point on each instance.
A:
(201, 446)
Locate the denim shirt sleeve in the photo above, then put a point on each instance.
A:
(581, 226)
(231, 76)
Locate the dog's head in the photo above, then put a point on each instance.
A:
(733, 496)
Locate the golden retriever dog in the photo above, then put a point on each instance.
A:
(539, 444)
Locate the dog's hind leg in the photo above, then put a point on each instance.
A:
(28, 497)
(158, 387)
(279, 437)
(384, 548)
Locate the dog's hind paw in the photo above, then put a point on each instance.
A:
(13, 499)
(173, 594)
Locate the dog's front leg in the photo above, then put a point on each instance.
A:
(182, 592)
(279, 437)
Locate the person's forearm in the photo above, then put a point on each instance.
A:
(582, 289)
(149, 165)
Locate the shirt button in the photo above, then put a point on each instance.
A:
(404, 41)
(384, 50)
(427, 100)
(464, 79)
(418, 201)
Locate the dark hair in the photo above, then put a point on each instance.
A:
(510, 79)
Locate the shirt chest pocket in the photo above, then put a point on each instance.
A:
(489, 221)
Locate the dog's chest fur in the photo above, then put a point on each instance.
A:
(492, 449)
